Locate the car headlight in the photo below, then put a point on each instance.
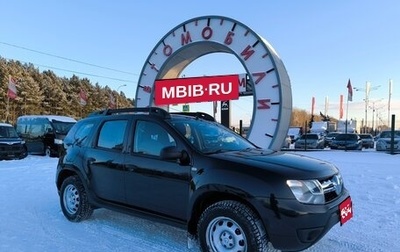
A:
(58, 141)
(307, 191)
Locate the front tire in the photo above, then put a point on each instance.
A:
(231, 226)
(74, 201)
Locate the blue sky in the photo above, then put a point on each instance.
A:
(322, 44)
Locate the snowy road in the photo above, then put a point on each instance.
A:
(31, 218)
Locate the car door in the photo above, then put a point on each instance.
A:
(154, 184)
(106, 161)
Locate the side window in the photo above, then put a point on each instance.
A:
(81, 134)
(150, 138)
(111, 135)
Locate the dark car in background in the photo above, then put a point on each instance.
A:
(191, 171)
(11, 145)
(329, 138)
(347, 141)
(367, 140)
(44, 134)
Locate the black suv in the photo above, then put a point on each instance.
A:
(189, 170)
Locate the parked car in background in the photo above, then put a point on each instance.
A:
(329, 137)
(11, 145)
(189, 170)
(44, 134)
(367, 140)
(384, 138)
(347, 141)
(310, 141)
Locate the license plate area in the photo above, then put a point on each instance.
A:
(346, 210)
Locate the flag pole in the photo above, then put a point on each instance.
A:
(8, 108)
(349, 98)
(347, 113)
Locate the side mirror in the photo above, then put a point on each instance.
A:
(172, 153)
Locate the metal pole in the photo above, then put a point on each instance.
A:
(392, 135)
(367, 85)
(8, 108)
(390, 96)
(118, 94)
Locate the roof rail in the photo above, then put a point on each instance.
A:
(198, 115)
(148, 110)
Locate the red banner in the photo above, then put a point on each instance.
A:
(196, 89)
(341, 107)
(12, 88)
(349, 91)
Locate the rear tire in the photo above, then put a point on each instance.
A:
(231, 226)
(74, 201)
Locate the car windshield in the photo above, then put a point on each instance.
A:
(388, 134)
(7, 132)
(342, 137)
(211, 137)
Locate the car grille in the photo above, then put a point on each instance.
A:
(6, 148)
(332, 187)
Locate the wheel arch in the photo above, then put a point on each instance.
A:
(68, 172)
(209, 198)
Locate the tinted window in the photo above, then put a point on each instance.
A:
(7, 132)
(62, 127)
(33, 127)
(310, 136)
(112, 134)
(150, 138)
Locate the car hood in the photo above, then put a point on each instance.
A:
(284, 163)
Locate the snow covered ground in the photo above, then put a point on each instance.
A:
(31, 218)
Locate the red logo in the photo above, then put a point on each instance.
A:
(196, 89)
(346, 210)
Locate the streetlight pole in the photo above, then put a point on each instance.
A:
(118, 93)
(390, 97)
(373, 112)
(367, 90)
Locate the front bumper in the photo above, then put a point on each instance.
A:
(15, 151)
(292, 225)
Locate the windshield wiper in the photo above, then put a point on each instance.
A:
(217, 151)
